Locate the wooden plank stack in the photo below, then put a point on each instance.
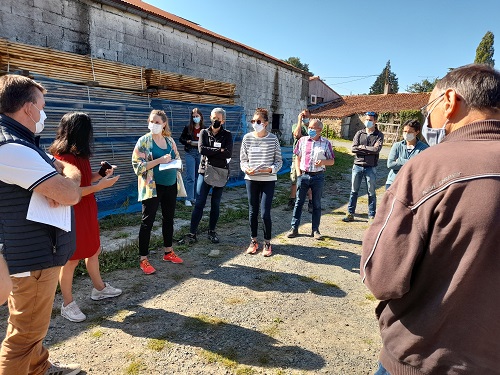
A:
(85, 70)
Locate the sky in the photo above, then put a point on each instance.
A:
(348, 43)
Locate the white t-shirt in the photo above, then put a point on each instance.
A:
(23, 166)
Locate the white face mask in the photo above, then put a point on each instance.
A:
(40, 124)
(369, 124)
(258, 127)
(408, 137)
(155, 128)
(433, 136)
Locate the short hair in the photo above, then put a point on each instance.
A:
(307, 111)
(414, 124)
(477, 84)
(75, 135)
(219, 110)
(158, 112)
(16, 91)
(262, 112)
(316, 120)
(371, 113)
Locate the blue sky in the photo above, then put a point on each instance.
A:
(422, 39)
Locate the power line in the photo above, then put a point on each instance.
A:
(372, 75)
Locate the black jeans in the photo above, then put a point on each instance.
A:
(166, 196)
(260, 193)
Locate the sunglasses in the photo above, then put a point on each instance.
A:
(256, 121)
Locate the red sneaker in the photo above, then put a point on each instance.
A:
(146, 267)
(267, 251)
(171, 257)
(253, 247)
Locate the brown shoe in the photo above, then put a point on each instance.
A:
(292, 233)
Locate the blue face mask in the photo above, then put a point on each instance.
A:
(305, 120)
(196, 120)
(312, 133)
(433, 136)
(369, 124)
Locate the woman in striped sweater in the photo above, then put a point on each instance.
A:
(260, 159)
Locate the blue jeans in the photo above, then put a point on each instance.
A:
(381, 370)
(315, 183)
(260, 193)
(370, 175)
(191, 175)
(197, 214)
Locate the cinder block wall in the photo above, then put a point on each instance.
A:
(103, 31)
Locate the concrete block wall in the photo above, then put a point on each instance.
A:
(103, 31)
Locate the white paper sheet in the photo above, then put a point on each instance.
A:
(40, 211)
(174, 164)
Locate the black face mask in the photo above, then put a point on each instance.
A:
(216, 124)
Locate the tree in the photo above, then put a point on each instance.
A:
(295, 61)
(386, 76)
(423, 86)
(485, 50)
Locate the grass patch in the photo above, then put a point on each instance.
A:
(119, 235)
(331, 284)
(135, 368)
(271, 278)
(234, 301)
(157, 344)
(225, 358)
(245, 371)
(120, 220)
(203, 322)
(97, 334)
(307, 279)
(370, 297)
(273, 329)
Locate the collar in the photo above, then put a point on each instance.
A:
(477, 130)
(21, 130)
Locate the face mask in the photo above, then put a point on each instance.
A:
(433, 136)
(155, 128)
(312, 133)
(408, 137)
(216, 124)
(196, 120)
(369, 124)
(258, 127)
(305, 120)
(40, 124)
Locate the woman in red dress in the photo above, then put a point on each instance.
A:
(73, 144)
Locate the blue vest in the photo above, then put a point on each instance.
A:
(28, 245)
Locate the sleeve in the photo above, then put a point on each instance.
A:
(392, 246)
(393, 159)
(204, 146)
(139, 157)
(278, 160)
(23, 166)
(356, 146)
(329, 154)
(185, 136)
(377, 146)
(296, 150)
(228, 145)
(244, 160)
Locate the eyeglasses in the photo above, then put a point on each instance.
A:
(256, 121)
(424, 110)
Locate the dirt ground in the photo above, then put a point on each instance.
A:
(302, 311)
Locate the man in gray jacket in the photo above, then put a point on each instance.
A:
(34, 251)
(432, 252)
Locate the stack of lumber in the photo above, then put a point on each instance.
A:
(85, 70)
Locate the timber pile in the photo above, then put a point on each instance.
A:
(88, 71)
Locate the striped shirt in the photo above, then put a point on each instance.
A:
(260, 153)
(310, 151)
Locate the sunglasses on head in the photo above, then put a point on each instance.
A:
(256, 121)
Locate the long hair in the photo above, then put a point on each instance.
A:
(191, 122)
(75, 135)
(158, 112)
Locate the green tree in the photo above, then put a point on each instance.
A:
(424, 86)
(386, 76)
(485, 50)
(295, 61)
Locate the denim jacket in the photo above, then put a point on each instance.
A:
(143, 152)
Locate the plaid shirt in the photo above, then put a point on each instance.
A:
(310, 151)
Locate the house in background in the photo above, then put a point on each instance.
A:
(320, 92)
(344, 116)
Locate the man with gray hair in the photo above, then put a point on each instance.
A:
(432, 252)
(313, 153)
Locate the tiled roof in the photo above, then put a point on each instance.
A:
(139, 5)
(349, 105)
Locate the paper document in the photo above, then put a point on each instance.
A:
(174, 164)
(40, 211)
(194, 143)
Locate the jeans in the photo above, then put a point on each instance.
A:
(203, 190)
(381, 370)
(192, 164)
(30, 307)
(260, 193)
(370, 174)
(315, 183)
(166, 196)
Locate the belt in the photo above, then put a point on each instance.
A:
(312, 173)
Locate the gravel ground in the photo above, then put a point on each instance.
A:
(302, 311)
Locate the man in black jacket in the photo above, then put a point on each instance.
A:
(366, 145)
(34, 251)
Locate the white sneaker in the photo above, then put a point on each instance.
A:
(188, 203)
(107, 292)
(59, 369)
(73, 313)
